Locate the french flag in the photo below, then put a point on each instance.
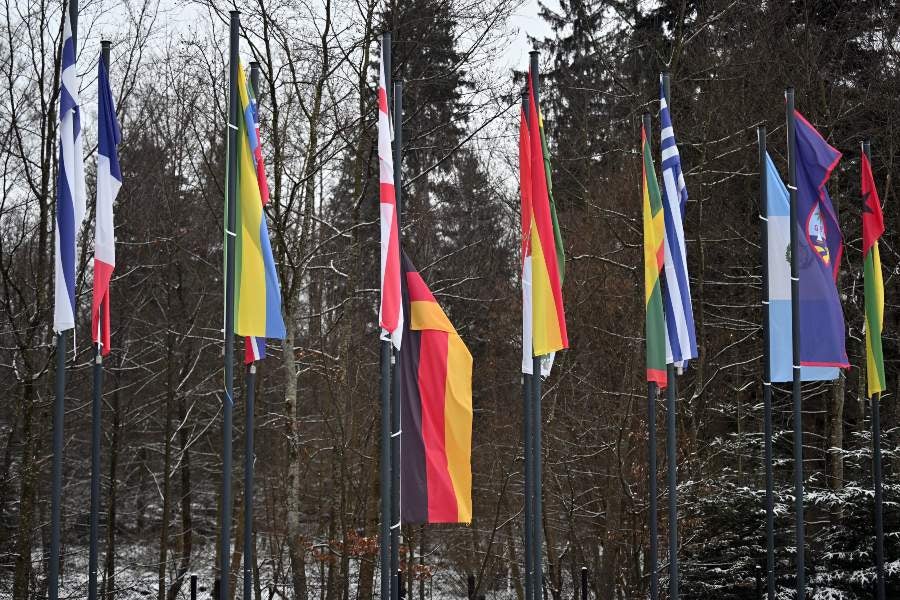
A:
(70, 195)
(109, 180)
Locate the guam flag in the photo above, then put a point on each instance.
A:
(819, 250)
(436, 398)
(257, 298)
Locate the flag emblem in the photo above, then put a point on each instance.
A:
(816, 235)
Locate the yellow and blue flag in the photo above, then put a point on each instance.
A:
(257, 297)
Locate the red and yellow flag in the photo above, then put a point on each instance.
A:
(544, 261)
(873, 227)
(654, 254)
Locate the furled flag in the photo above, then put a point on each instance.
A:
(70, 195)
(255, 347)
(257, 298)
(681, 338)
(654, 233)
(109, 180)
(873, 227)
(779, 269)
(436, 397)
(390, 311)
(820, 246)
(544, 260)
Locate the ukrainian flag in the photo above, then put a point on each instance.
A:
(257, 296)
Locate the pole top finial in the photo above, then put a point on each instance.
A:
(105, 43)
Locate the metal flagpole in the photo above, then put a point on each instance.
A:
(537, 543)
(96, 414)
(877, 470)
(395, 395)
(795, 338)
(249, 458)
(386, 360)
(249, 409)
(652, 392)
(59, 411)
(767, 365)
(527, 427)
(671, 455)
(228, 405)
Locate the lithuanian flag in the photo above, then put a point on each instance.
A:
(436, 404)
(654, 231)
(873, 227)
(543, 252)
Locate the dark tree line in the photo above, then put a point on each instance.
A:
(317, 419)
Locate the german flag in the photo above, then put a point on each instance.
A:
(654, 230)
(873, 228)
(436, 404)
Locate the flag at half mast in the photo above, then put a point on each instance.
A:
(543, 265)
(70, 194)
(654, 258)
(390, 309)
(436, 377)
(257, 298)
(873, 228)
(681, 337)
(109, 180)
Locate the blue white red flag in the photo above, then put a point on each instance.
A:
(109, 180)
(681, 337)
(779, 296)
(820, 246)
(70, 195)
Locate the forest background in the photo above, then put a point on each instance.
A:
(317, 403)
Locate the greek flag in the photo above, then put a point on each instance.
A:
(70, 194)
(681, 339)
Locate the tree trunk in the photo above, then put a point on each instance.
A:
(296, 543)
(22, 575)
(109, 579)
(186, 499)
(167, 467)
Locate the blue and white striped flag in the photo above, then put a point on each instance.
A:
(70, 194)
(681, 339)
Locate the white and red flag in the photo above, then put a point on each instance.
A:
(109, 180)
(390, 312)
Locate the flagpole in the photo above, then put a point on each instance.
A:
(228, 405)
(249, 458)
(800, 536)
(59, 411)
(96, 415)
(249, 426)
(395, 395)
(671, 441)
(877, 468)
(767, 366)
(537, 542)
(386, 361)
(527, 427)
(652, 392)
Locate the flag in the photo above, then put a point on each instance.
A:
(109, 180)
(873, 227)
(436, 397)
(70, 194)
(681, 338)
(257, 298)
(820, 246)
(390, 311)
(654, 234)
(255, 347)
(547, 264)
(779, 294)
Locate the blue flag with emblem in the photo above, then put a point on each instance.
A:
(779, 296)
(820, 246)
(681, 337)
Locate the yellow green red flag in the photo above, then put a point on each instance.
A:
(654, 231)
(873, 227)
